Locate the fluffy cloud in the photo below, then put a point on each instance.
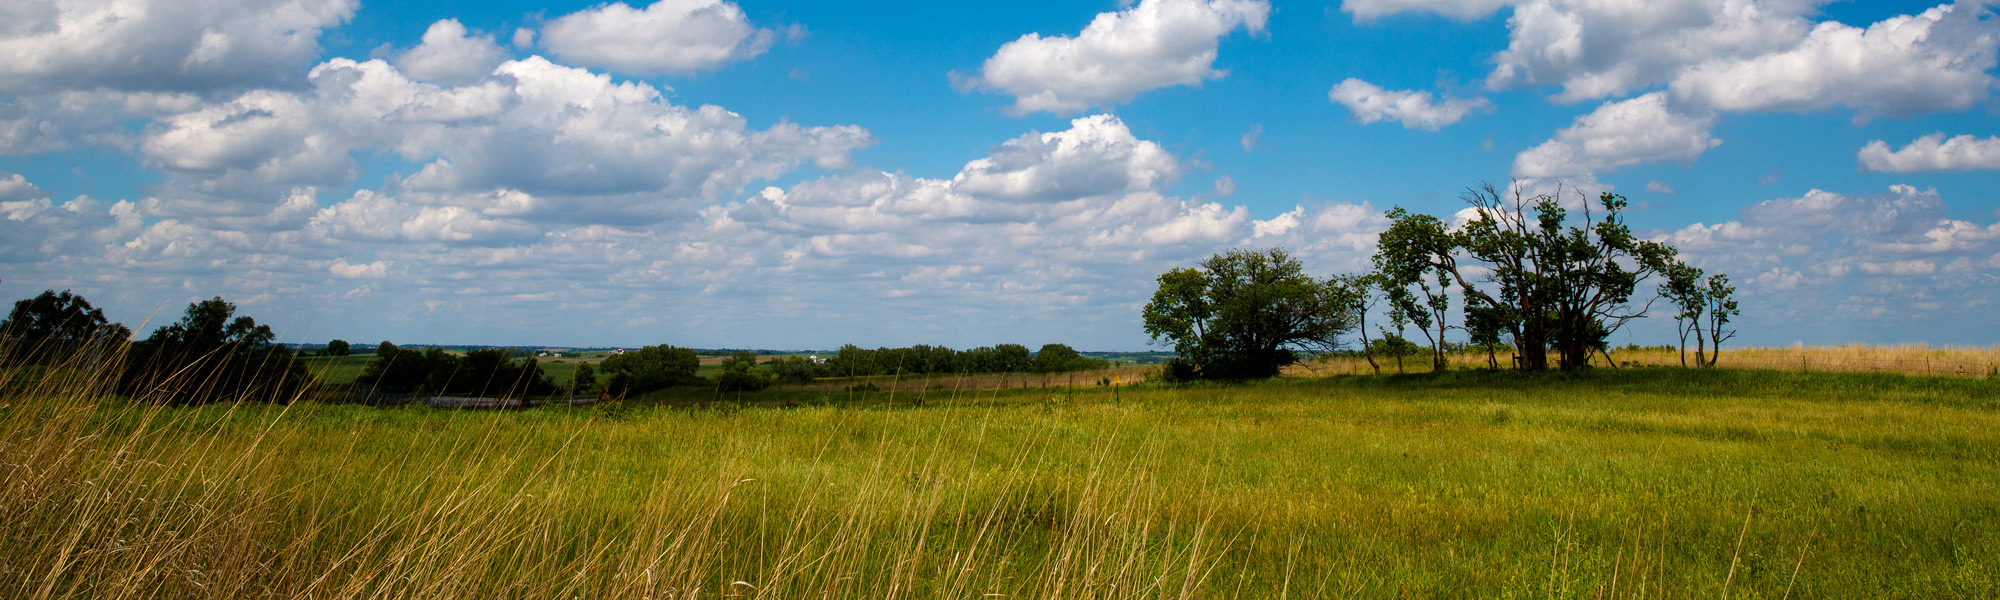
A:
(450, 55)
(669, 36)
(154, 45)
(71, 119)
(1457, 9)
(1617, 134)
(1596, 49)
(1098, 155)
(1936, 60)
(589, 147)
(1932, 153)
(1851, 254)
(34, 229)
(1415, 110)
(1737, 55)
(1156, 44)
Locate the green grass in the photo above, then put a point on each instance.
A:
(336, 369)
(1648, 483)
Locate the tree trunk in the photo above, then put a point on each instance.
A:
(1367, 349)
(1533, 346)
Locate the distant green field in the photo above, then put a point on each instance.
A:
(336, 369)
(1636, 483)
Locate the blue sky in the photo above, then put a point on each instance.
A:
(803, 175)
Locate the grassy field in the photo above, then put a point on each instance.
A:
(1637, 483)
(1909, 359)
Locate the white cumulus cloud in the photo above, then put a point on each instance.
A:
(1415, 110)
(451, 55)
(1593, 49)
(1737, 55)
(668, 36)
(1936, 60)
(1156, 44)
(594, 148)
(1642, 129)
(156, 45)
(1933, 153)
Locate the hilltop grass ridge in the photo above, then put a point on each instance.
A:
(1629, 483)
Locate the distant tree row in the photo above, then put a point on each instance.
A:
(855, 361)
(211, 354)
(1528, 276)
(486, 372)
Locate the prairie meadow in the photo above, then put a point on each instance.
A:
(1635, 483)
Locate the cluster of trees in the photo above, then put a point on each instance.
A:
(55, 326)
(855, 361)
(209, 354)
(482, 372)
(1526, 275)
(650, 368)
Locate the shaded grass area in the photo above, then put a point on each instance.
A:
(1641, 483)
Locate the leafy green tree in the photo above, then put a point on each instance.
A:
(398, 370)
(793, 369)
(208, 356)
(1012, 358)
(1396, 346)
(52, 327)
(584, 380)
(1415, 285)
(654, 367)
(852, 361)
(1059, 358)
(934, 359)
(1721, 309)
(338, 348)
(1246, 314)
(1484, 326)
(618, 386)
(739, 373)
(896, 361)
(1683, 288)
(493, 372)
(1356, 295)
(980, 360)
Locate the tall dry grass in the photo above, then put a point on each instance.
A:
(110, 498)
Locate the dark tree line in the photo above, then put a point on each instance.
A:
(433, 371)
(855, 361)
